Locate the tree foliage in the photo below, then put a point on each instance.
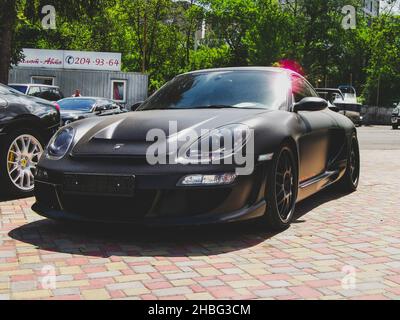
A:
(161, 37)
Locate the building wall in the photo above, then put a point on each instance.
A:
(371, 7)
(91, 83)
(377, 115)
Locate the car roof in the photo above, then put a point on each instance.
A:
(87, 98)
(92, 98)
(269, 69)
(33, 85)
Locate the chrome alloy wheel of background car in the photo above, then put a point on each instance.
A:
(285, 186)
(22, 158)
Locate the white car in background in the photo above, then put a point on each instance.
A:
(49, 93)
(348, 104)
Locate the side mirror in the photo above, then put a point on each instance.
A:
(135, 106)
(310, 104)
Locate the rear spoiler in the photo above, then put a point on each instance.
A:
(329, 91)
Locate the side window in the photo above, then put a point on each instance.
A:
(34, 91)
(301, 89)
(59, 93)
(50, 95)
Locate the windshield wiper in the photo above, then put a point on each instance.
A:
(215, 106)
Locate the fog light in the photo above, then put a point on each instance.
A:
(208, 180)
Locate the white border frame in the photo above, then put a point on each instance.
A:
(125, 82)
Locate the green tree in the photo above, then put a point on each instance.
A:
(383, 71)
(230, 22)
(25, 16)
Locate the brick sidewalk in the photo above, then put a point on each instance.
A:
(340, 247)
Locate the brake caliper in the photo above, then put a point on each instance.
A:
(11, 158)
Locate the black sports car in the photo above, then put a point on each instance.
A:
(73, 109)
(122, 169)
(26, 125)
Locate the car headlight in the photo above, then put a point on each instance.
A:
(217, 144)
(60, 143)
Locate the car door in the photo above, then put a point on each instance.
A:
(314, 139)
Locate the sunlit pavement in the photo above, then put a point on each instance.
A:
(340, 247)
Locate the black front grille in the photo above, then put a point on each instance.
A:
(90, 184)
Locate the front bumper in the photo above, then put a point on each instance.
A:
(156, 201)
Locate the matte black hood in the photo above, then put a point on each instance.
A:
(130, 129)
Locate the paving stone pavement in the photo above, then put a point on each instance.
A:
(340, 247)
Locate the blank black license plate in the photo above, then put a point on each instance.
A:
(99, 184)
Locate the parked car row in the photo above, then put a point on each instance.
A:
(29, 115)
(93, 167)
(73, 109)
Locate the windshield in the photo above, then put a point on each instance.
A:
(21, 88)
(222, 89)
(347, 90)
(6, 90)
(76, 104)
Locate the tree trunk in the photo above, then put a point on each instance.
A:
(7, 23)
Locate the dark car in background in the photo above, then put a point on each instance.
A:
(73, 109)
(396, 117)
(26, 125)
(49, 93)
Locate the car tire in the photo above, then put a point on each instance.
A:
(31, 155)
(395, 127)
(281, 189)
(351, 178)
